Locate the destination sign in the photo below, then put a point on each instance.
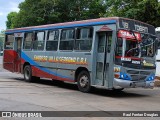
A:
(136, 26)
(126, 34)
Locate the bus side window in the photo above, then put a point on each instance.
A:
(9, 41)
(84, 39)
(67, 39)
(52, 40)
(27, 45)
(38, 43)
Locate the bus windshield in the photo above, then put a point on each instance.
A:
(148, 45)
(127, 46)
(137, 45)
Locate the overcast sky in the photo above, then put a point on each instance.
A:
(7, 6)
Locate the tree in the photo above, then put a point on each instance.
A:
(144, 10)
(39, 12)
(11, 18)
(34, 12)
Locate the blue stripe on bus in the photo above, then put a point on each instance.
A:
(32, 62)
(66, 26)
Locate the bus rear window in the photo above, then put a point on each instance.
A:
(9, 42)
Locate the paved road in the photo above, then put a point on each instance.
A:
(47, 95)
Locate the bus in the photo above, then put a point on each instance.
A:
(158, 53)
(112, 53)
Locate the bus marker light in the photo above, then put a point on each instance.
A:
(116, 75)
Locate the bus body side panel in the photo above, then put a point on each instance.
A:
(9, 57)
(72, 61)
(29, 56)
(37, 59)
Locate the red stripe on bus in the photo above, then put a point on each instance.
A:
(133, 58)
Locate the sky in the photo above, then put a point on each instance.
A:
(7, 6)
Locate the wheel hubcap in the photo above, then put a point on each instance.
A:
(84, 81)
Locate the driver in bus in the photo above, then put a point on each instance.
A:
(132, 51)
(129, 52)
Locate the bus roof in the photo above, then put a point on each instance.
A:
(89, 22)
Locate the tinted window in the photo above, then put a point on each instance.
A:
(28, 41)
(84, 39)
(9, 41)
(52, 41)
(67, 39)
(38, 44)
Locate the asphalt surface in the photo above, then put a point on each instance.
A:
(47, 95)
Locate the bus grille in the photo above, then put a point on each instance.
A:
(141, 78)
(134, 77)
(132, 72)
(138, 75)
(145, 73)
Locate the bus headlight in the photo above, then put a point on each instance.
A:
(123, 76)
(151, 77)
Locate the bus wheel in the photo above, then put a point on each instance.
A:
(83, 81)
(28, 73)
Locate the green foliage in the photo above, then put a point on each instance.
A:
(11, 20)
(144, 10)
(39, 12)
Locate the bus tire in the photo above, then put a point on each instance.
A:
(83, 81)
(28, 73)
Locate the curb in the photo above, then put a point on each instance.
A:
(157, 77)
(157, 82)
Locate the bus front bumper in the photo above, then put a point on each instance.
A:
(119, 83)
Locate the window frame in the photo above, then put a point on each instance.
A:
(6, 39)
(36, 40)
(32, 39)
(84, 39)
(66, 39)
(47, 40)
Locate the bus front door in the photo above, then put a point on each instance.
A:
(17, 48)
(103, 56)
